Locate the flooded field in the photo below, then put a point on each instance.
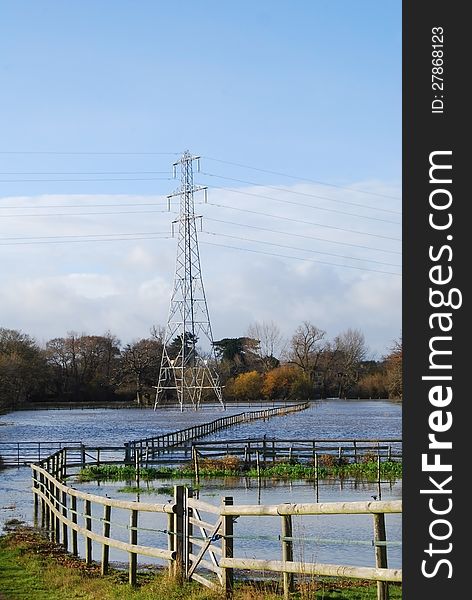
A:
(333, 539)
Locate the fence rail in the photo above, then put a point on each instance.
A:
(199, 534)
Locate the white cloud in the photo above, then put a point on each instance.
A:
(124, 285)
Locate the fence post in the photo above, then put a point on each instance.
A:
(136, 467)
(88, 527)
(133, 539)
(57, 506)
(82, 455)
(379, 481)
(106, 533)
(179, 497)
(189, 531)
(196, 465)
(65, 536)
(43, 503)
(170, 540)
(73, 510)
(287, 553)
(380, 553)
(227, 549)
(47, 513)
(35, 497)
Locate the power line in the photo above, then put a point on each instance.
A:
(298, 193)
(300, 258)
(333, 210)
(123, 212)
(46, 152)
(244, 239)
(126, 239)
(304, 222)
(29, 207)
(84, 173)
(86, 180)
(308, 237)
(343, 187)
(85, 235)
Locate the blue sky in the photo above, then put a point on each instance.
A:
(308, 89)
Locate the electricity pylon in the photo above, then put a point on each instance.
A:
(182, 368)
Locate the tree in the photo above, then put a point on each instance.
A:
(270, 345)
(84, 364)
(394, 366)
(349, 350)
(246, 387)
(141, 361)
(306, 348)
(174, 349)
(280, 383)
(23, 369)
(236, 355)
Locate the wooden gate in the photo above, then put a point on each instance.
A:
(207, 542)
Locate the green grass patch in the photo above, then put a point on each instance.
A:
(33, 567)
(233, 467)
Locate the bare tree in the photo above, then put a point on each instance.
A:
(158, 333)
(306, 348)
(349, 350)
(140, 363)
(271, 342)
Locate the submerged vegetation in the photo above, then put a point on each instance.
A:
(33, 567)
(232, 466)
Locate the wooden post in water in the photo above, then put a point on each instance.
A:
(106, 533)
(227, 549)
(316, 476)
(82, 455)
(133, 539)
(88, 527)
(379, 482)
(380, 553)
(196, 465)
(136, 467)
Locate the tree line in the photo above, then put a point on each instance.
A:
(260, 365)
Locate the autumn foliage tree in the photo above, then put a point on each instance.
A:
(245, 387)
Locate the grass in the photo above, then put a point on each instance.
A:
(33, 567)
(232, 466)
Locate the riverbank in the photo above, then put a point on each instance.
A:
(33, 567)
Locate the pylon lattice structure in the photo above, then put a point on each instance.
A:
(183, 370)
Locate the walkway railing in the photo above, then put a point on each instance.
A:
(149, 447)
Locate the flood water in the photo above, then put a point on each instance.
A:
(331, 539)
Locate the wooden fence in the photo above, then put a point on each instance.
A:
(147, 448)
(22, 453)
(195, 541)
